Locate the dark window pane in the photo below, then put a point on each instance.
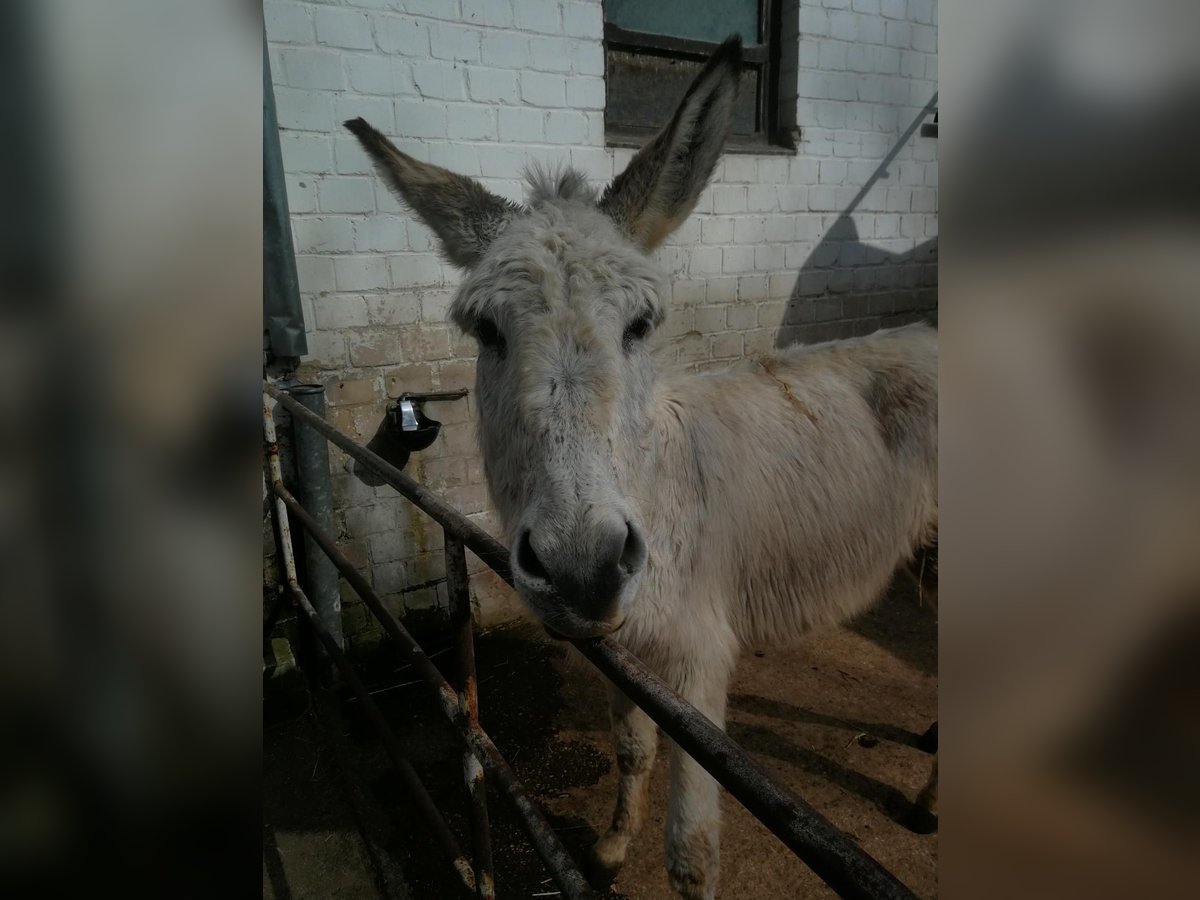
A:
(700, 20)
(643, 91)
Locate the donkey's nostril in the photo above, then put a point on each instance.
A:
(633, 554)
(528, 560)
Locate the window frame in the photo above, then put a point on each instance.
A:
(769, 136)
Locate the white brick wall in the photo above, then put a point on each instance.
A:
(773, 253)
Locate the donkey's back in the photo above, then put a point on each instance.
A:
(825, 457)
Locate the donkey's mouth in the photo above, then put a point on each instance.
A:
(581, 630)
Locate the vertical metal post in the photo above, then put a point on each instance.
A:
(468, 698)
(316, 495)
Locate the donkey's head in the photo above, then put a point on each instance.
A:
(561, 296)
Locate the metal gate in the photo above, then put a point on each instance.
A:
(830, 853)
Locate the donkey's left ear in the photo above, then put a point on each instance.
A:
(662, 183)
(465, 215)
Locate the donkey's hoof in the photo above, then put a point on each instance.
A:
(608, 855)
(921, 821)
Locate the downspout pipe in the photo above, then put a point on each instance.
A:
(316, 494)
(283, 316)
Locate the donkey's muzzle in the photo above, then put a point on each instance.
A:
(584, 579)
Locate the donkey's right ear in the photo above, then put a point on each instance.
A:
(465, 215)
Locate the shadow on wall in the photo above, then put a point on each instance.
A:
(848, 287)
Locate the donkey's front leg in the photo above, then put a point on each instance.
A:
(635, 738)
(694, 811)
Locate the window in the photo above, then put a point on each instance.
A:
(654, 48)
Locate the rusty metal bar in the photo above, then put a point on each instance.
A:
(541, 835)
(468, 699)
(841, 863)
(408, 774)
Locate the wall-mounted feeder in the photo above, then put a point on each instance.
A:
(405, 429)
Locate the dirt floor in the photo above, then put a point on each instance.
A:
(835, 719)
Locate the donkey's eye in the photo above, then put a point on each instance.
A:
(489, 335)
(636, 331)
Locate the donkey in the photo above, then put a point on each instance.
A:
(684, 516)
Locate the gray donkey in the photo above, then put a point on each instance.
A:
(686, 516)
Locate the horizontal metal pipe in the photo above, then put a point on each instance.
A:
(408, 774)
(541, 835)
(841, 863)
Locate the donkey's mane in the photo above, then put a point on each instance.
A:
(557, 183)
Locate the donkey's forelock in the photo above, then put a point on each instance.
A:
(548, 184)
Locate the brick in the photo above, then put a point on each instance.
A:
(338, 194)
(729, 198)
(727, 346)
(393, 309)
(710, 319)
(749, 229)
(413, 377)
(550, 54)
(694, 347)
(334, 312)
(438, 80)
(752, 287)
(705, 261)
(543, 89)
(521, 125)
(722, 290)
(327, 350)
(585, 93)
(505, 50)
(369, 74)
(740, 169)
(312, 69)
(565, 127)
(538, 15)
(768, 257)
(455, 42)
(380, 234)
(304, 110)
(487, 12)
(377, 348)
(414, 269)
(343, 28)
(782, 284)
(737, 259)
(360, 273)
(376, 518)
(899, 34)
(415, 118)
(492, 85)
(315, 274)
(425, 342)
(287, 23)
(832, 55)
(740, 317)
(687, 293)
(470, 122)
(583, 20)
(762, 197)
(351, 391)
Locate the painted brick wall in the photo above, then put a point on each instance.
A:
(837, 239)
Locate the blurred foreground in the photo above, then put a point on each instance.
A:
(130, 494)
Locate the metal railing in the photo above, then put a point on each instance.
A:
(829, 852)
